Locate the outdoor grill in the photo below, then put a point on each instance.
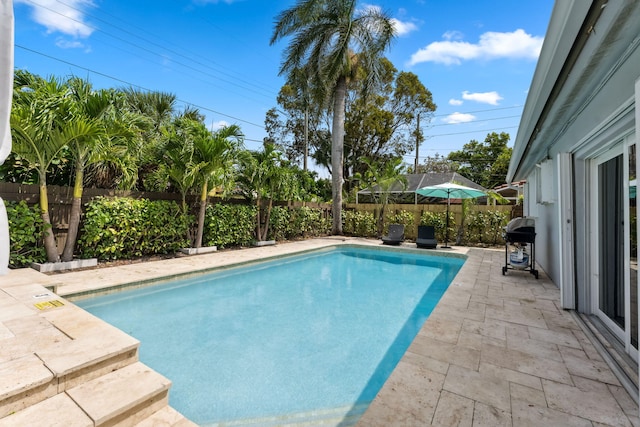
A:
(520, 236)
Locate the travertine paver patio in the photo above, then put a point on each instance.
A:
(497, 350)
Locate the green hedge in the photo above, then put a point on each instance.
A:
(290, 223)
(229, 225)
(359, 223)
(439, 221)
(485, 227)
(25, 234)
(124, 228)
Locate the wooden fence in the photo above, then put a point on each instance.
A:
(417, 211)
(60, 199)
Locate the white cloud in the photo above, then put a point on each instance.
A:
(453, 35)
(69, 44)
(492, 45)
(456, 118)
(218, 125)
(67, 18)
(403, 28)
(455, 101)
(491, 98)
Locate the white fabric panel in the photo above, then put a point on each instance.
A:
(6, 91)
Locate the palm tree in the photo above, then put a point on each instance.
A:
(331, 39)
(264, 178)
(43, 126)
(178, 167)
(88, 108)
(215, 154)
(158, 109)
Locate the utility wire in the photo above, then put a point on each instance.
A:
(145, 49)
(135, 85)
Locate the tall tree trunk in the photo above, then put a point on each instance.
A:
(203, 209)
(258, 218)
(49, 239)
(265, 231)
(337, 153)
(74, 215)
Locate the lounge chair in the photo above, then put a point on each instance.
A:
(426, 237)
(395, 236)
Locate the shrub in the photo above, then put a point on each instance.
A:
(402, 217)
(280, 227)
(486, 227)
(229, 225)
(125, 228)
(356, 223)
(303, 221)
(25, 234)
(439, 221)
(306, 222)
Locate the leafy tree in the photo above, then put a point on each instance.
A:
(332, 39)
(484, 163)
(382, 123)
(438, 164)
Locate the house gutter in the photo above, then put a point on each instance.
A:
(587, 28)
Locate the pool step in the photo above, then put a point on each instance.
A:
(342, 416)
(52, 350)
(166, 417)
(123, 397)
(65, 367)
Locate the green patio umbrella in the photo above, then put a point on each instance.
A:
(449, 190)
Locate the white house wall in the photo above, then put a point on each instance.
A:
(606, 118)
(545, 214)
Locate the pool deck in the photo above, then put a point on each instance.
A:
(496, 351)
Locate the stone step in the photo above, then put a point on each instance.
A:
(123, 397)
(131, 395)
(59, 410)
(48, 348)
(166, 417)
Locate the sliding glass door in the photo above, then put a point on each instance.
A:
(615, 283)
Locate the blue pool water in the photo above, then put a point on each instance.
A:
(301, 338)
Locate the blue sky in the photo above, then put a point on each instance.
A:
(477, 57)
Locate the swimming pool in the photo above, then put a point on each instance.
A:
(306, 338)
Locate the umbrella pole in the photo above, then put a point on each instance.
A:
(446, 231)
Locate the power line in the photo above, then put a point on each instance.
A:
(475, 121)
(145, 49)
(482, 111)
(473, 131)
(135, 85)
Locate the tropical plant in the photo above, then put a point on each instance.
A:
(25, 234)
(331, 40)
(42, 125)
(263, 178)
(215, 154)
(88, 108)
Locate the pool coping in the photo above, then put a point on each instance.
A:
(370, 244)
